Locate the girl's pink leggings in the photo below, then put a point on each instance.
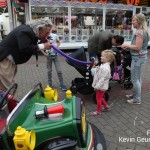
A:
(100, 100)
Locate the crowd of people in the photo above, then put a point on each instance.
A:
(27, 39)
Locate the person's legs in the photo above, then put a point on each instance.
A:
(99, 104)
(99, 97)
(58, 69)
(59, 73)
(104, 103)
(137, 66)
(49, 70)
(8, 71)
(106, 107)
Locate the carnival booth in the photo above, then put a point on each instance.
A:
(77, 20)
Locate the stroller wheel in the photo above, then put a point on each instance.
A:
(128, 84)
(74, 90)
(86, 90)
(106, 97)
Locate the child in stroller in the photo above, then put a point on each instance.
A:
(122, 67)
(82, 85)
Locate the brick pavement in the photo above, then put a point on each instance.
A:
(123, 120)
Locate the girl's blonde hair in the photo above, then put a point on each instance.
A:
(142, 21)
(110, 55)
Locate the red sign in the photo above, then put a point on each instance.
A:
(133, 2)
(3, 3)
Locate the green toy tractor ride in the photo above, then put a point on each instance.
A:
(41, 123)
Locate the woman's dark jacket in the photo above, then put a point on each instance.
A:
(21, 43)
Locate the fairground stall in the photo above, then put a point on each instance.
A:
(76, 20)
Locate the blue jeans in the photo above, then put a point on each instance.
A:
(57, 64)
(137, 66)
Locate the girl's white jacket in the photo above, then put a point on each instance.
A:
(101, 74)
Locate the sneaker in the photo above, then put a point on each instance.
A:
(129, 96)
(94, 113)
(131, 101)
(105, 109)
(63, 87)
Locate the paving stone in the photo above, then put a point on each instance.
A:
(112, 146)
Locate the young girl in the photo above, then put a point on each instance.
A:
(101, 78)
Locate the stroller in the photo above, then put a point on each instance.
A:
(123, 62)
(82, 85)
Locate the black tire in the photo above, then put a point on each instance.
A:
(99, 139)
(86, 90)
(128, 85)
(106, 97)
(74, 90)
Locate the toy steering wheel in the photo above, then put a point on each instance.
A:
(4, 100)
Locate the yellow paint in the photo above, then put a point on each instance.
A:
(68, 94)
(24, 140)
(51, 94)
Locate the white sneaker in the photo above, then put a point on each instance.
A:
(131, 101)
(129, 96)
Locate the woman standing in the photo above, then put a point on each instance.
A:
(138, 50)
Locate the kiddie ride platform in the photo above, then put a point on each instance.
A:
(40, 122)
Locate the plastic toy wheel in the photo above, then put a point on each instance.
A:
(11, 91)
(99, 139)
(128, 84)
(106, 97)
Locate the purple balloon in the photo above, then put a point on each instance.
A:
(70, 58)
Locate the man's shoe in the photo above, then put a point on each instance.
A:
(63, 87)
(129, 96)
(131, 101)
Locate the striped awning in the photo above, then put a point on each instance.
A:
(3, 3)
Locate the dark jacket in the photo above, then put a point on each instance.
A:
(99, 42)
(21, 43)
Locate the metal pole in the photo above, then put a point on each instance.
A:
(104, 19)
(27, 12)
(69, 21)
(11, 21)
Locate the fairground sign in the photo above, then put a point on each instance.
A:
(130, 2)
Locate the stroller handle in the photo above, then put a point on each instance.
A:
(70, 58)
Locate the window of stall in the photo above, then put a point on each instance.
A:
(146, 12)
(86, 18)
(85, 22)
(55, 14)
(119, 22)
